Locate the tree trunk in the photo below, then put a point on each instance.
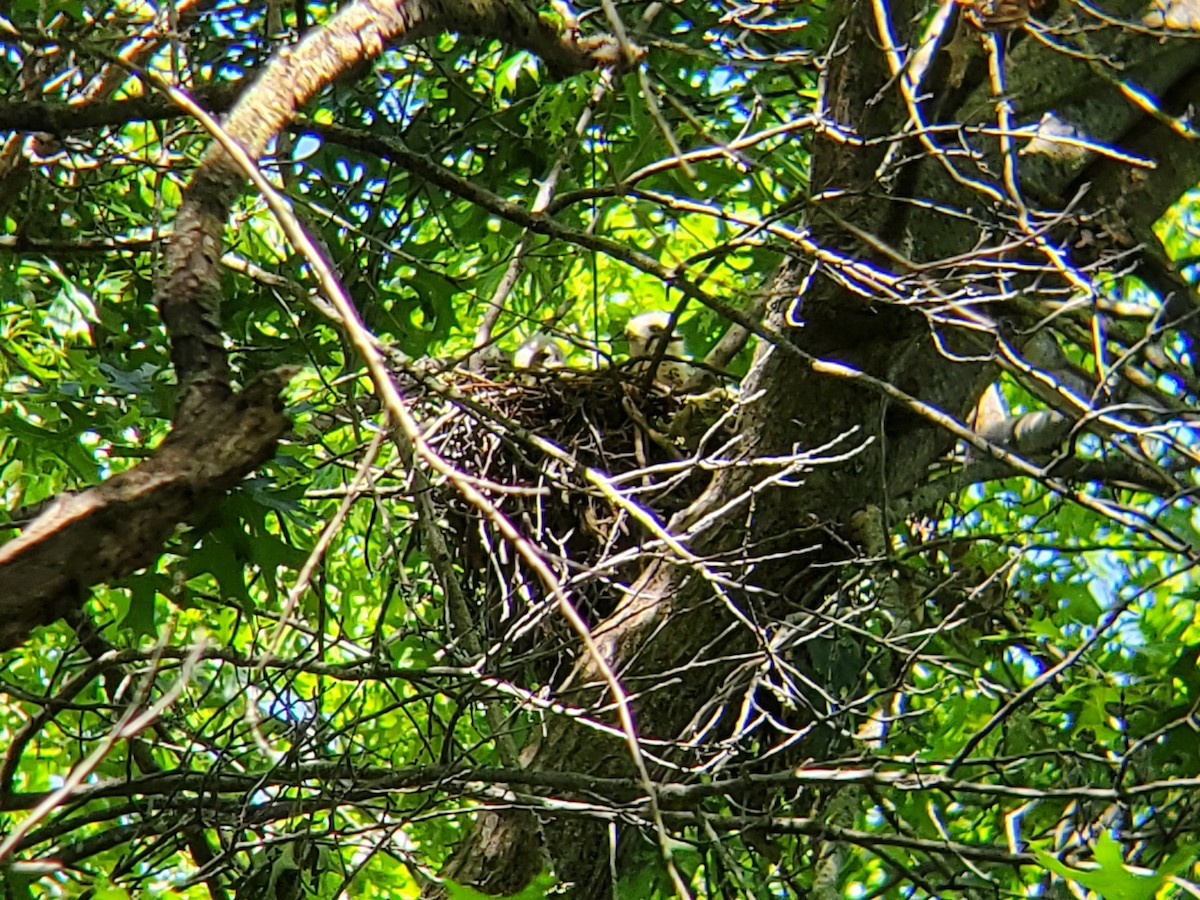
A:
(681, 634)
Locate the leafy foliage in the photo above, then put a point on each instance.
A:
(993, 697)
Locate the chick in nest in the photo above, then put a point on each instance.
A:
(540, 351)
(647, 333)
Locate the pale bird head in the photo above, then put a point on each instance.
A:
(540, 351)
(646, 333)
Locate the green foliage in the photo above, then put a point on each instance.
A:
(1037, 651)
(1111, 879)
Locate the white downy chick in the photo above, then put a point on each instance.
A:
(540, 351)
(646, 333)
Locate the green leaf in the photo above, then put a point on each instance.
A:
(14, 884)
(142, 617)
(1111, 879)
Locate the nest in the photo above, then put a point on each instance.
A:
(489, 427)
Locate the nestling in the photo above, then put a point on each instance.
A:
(646, 333)
(540, 351)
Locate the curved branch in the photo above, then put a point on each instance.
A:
(218, 436)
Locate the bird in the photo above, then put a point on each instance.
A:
(999, 15)
(646, 333)
(540, 351)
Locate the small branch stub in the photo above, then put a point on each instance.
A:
(998, 15)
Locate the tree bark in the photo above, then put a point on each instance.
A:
(218, 436)
(662, 640)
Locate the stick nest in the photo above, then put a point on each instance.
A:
(489, 425)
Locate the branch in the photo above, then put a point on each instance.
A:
(115, 528)
(59, 119)
(218, 437)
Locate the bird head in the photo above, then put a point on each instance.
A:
(540, 351)
(647, 331)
